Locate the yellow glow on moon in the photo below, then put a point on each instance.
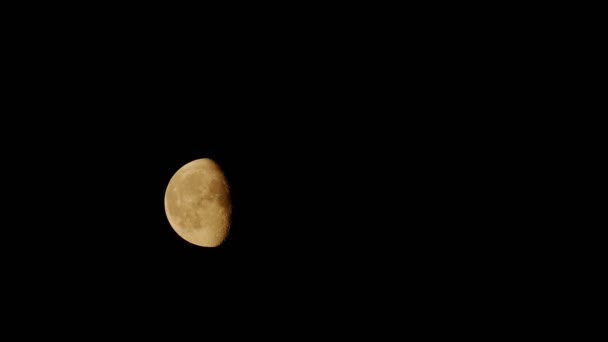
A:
(197, 203)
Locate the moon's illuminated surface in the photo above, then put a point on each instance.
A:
(197, 203)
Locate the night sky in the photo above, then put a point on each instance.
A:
(350, 187)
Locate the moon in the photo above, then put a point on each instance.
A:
(197, 203)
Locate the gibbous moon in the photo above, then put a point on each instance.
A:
(197, 203)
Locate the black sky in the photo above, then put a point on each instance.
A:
(348, 175)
